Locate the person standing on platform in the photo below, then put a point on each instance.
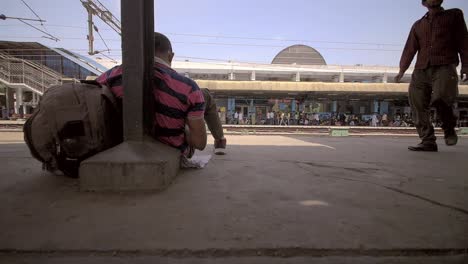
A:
(375, 120)
(438, 38)
(241, 118)
(385, 119)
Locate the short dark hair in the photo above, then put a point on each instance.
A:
(441, 2)
(161, 43)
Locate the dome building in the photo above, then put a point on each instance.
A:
(300, 55)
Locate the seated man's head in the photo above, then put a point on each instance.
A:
(163, 48)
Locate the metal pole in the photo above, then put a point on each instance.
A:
(90, 31)
(9, 70)
(138, 60)
(7, 92)
(42, 79)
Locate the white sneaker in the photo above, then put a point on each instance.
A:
(220, 147)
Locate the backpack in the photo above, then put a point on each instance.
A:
(73, 122)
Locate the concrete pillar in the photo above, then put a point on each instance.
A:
(140, 162)
(341, 78)
(252, 112)
(9, 100)
(2, 107)
(297, 77)
(19, 100)
(232, 76)
(385, 78)
(334, 106)
(231, 106)
(384, 107)
(376, 107)
(253, 76)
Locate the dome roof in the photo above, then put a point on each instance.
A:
(299, 54)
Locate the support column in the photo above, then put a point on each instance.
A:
(334, 106)
(253, 76)
(384, 106)
(293, 105)
(90, 31)
(25, 110)
(385, 78)
(8, 101)
(297, 77)
(19, 100)
(232, 76)
(341, 78)
(252, 112)
(140, 162)
(376, 106)
(231, 107)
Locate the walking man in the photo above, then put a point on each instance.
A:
(438, 38)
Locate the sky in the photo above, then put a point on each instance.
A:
(368, 32)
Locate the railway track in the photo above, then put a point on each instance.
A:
(319, 129)
(325, 130)
(11, 125)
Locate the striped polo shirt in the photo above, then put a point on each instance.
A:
(177, 98)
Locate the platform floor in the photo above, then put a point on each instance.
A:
(331, 200)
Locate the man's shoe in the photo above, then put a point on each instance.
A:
(451, 138)
(220, 146)
(429, 147)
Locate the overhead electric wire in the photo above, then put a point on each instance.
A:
(40, 19)
(289, 40)
(243, 44)
(112, 59)
(97, 30)
(32, 11)
(271, 46)
(213, 61)
(256, 38)
(3, 17)
(50, 35)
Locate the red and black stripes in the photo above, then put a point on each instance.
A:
(176, 99)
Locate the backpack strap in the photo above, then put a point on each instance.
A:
(109, 96)
(105, 92)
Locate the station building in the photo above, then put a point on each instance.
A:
(297, 80)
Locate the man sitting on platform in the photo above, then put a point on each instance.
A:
(180, 105)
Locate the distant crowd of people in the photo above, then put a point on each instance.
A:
(321, 119)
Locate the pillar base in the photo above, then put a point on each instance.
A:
(131, 166)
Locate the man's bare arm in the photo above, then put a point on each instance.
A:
(410, 50)
(196, 137)
(462, 43)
